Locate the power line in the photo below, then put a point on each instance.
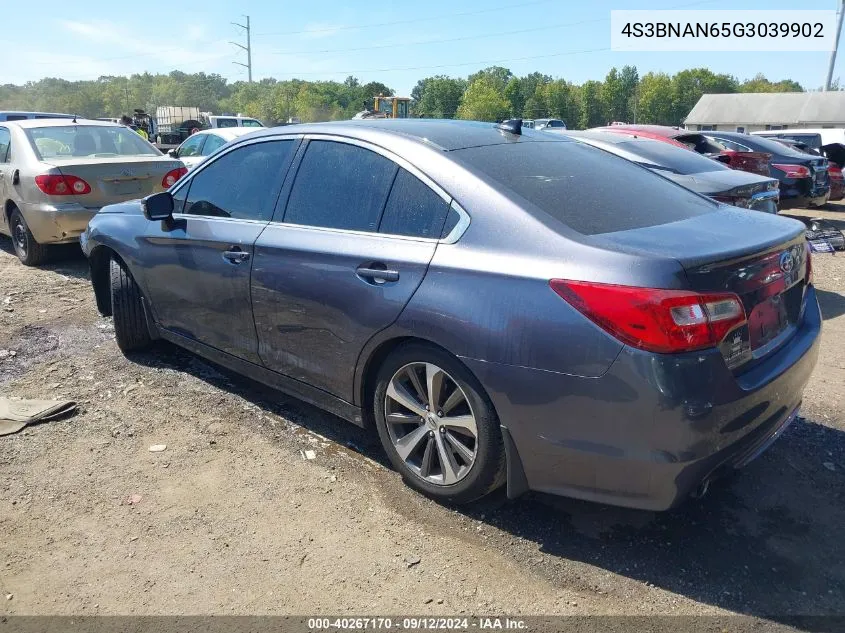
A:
(440, 41)
(413, 21)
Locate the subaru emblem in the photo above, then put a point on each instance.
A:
(787, 262)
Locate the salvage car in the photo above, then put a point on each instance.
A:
(803, 177)
(688, 169)
(744, 159)
(477, 295)
(202, 144)
(55, 174)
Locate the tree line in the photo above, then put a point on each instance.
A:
(491, 94)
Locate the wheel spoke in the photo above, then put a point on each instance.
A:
(454, 399)
(397, 392)
(434, 380)
(415, 380)
(460, 448)
(447, 461)
(464, 423)
(406, 444)
(403, 418)
(425, 464)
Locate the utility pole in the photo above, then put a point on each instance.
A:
(832, 62)
(248, 47)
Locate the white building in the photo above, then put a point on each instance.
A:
(753, 111)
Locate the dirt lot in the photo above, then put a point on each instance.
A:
(232, 520)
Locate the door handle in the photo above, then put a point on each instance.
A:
(377, 273)
(235, 255)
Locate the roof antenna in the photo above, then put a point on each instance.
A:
(74, 119)
(514, 126)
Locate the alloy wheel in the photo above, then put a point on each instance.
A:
(431, 423)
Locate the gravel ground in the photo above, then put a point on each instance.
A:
(231, 519)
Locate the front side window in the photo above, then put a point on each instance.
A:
(242, 184)
(87, 141)
(413, 209)
(192, 147)
(5, 143)
(340, 186)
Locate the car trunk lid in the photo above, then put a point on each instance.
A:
(753, 162)
(115, 180)
(760, 258)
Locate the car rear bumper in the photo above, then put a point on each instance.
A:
(653, 428)
(56, 223)
(802, 193)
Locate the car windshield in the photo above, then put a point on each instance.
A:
(89, 141)
(555, 123)
(567, 181)
(670, 158)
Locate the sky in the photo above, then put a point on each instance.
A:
(396, 43)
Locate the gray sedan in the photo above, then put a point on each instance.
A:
(502, 306)
(55, 174)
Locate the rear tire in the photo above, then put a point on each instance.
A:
(28, 250)
(130, 320)
(455, 454)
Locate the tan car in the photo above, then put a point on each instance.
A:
(56, 174)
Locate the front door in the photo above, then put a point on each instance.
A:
(355, 242)
(200, 262)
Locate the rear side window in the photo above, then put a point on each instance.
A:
(5, 141)
(413, 209)
(340, 186)
(588, 190)
(242, 184)
(227, 123)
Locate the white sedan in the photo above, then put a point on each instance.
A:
(198, 146)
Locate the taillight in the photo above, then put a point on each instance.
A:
(793, 171)
(172, 176)
(62, 185)
(653, 319)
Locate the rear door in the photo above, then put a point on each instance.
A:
(199, 263)
(355, 240)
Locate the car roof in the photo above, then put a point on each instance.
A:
(227, 132)
(443, 134)
(661, 130)
(33, 123)
(34, 113)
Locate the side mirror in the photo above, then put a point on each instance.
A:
(158, 206)
(174, 153)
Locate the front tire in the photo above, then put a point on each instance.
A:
(130, 321)
(28, 250)
(437, 425)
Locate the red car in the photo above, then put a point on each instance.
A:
(754, 162)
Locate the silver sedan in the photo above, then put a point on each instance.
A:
(56, 174)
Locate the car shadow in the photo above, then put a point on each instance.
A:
(64, 259)
(767, 542)
(832, 304)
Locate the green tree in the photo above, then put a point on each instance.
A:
(439, 97)
(498, 75)
(592, 107)
(483, 101)
(759, 83)
(689, 85)
(513, 93)
(654, 104)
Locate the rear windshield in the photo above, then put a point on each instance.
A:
(762, 144)
(555, 123)
(670, 158)
(588, 190)
(88, 141)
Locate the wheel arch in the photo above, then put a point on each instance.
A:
(98, 263)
